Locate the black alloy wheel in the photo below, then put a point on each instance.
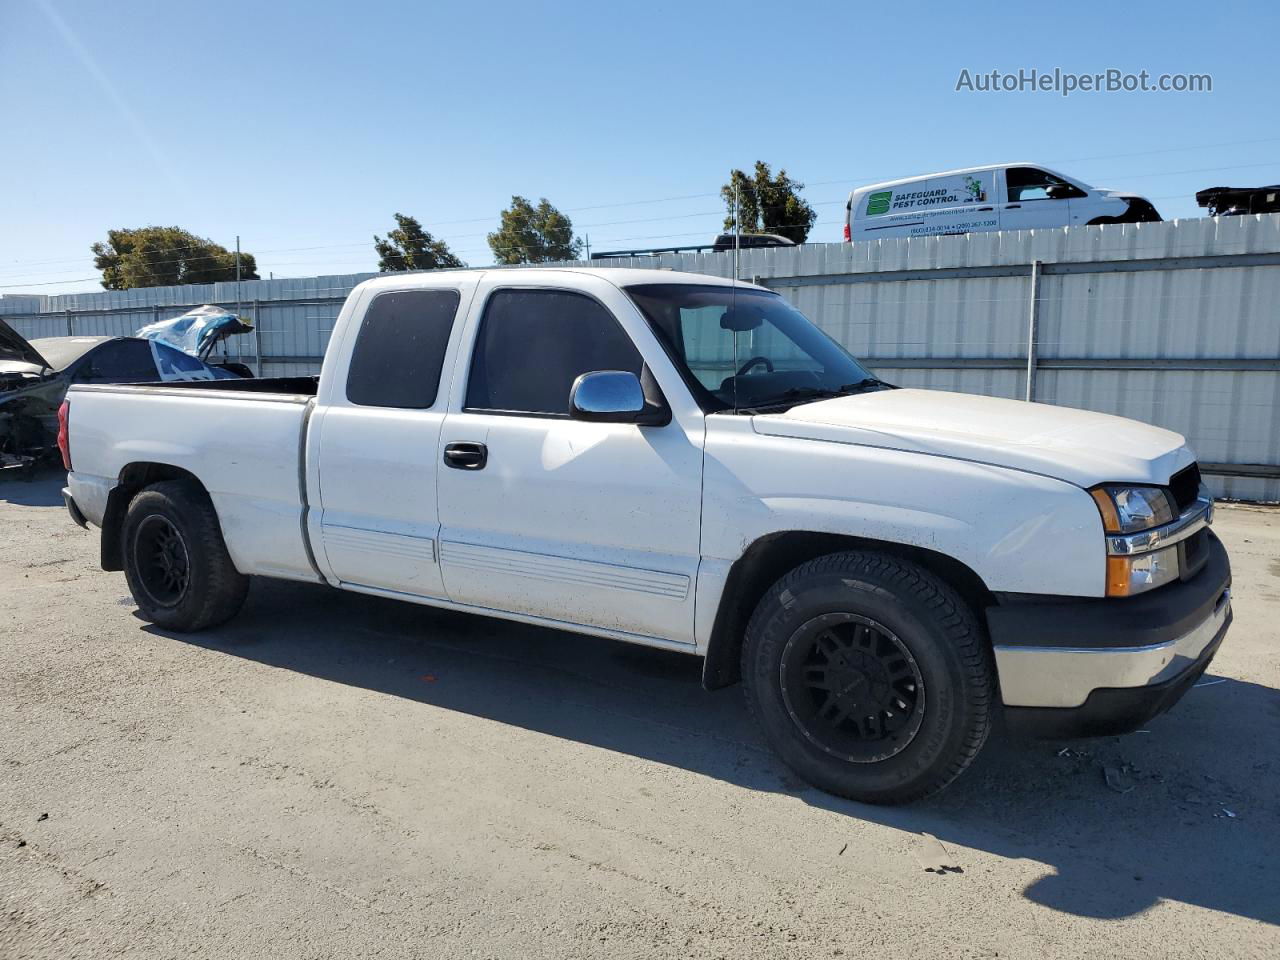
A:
(852, 687)
(164, 566)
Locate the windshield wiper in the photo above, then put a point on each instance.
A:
(798, 395)
(864, 384)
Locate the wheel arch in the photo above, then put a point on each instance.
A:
(133, 478)
(772, 556)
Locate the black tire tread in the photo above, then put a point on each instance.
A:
(222, 589)
(950, 612)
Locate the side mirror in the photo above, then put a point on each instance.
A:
(614, 396)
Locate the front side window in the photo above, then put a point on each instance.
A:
(400, 348)
(1030, 183)
(745, 348)
(533, 344)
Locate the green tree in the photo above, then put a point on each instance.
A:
(768, 203)
(409, 247)
(532, 234)
(163, 256)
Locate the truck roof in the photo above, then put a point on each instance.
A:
(951, 173)
(619, 276)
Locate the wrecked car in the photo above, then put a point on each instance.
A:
(1239, 201)
(35, 375)
(198, 331)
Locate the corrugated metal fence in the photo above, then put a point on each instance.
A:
(1176, 324)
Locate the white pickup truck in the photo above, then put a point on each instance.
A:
(688, 463)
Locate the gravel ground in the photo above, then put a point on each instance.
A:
(332, 775)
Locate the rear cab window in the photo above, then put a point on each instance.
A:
(399, 351)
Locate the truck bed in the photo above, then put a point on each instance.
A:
(242, 438)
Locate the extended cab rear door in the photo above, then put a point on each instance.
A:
(586, 523)
(375, 436)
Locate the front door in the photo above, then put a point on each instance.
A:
(594, 524)
(377, 439)
(1036, 199)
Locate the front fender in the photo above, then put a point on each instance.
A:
(1020, 532)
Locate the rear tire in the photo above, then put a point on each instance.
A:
(869, 676)
(176, 561)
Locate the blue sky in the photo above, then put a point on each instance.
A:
(303, 126)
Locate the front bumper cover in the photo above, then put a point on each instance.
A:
(1098, 667)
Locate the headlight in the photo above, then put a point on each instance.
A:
(1132, 509)
(1127, 576)
(1127, 510)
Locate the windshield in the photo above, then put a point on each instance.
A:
(746, 349)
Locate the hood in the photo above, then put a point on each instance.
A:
(14, 346)
(1124, 195)
(1078, 446)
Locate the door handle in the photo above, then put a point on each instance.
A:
(1012, 206)
(466, 456)
(983, 209)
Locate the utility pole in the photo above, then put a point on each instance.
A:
(737, 231)
(587, 237)
(1033, 331)
(237, 274)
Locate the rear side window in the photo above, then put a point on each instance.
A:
(533, 344)
(121, 361)
(399, 351)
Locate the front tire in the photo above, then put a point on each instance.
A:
(175, 560)
(869, 676)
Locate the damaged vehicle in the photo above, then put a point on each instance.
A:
(197, 332)
(1005, 196)
(35, 375)
(1239, 201)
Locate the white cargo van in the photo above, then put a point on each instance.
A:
(1010, 196)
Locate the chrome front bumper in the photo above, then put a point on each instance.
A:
(1075, 667)
(1064, 677)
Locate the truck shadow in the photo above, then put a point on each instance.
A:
(1197, 820)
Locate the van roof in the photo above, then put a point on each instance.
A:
(949, 173)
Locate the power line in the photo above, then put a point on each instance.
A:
(619, 222)
(806, 185)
